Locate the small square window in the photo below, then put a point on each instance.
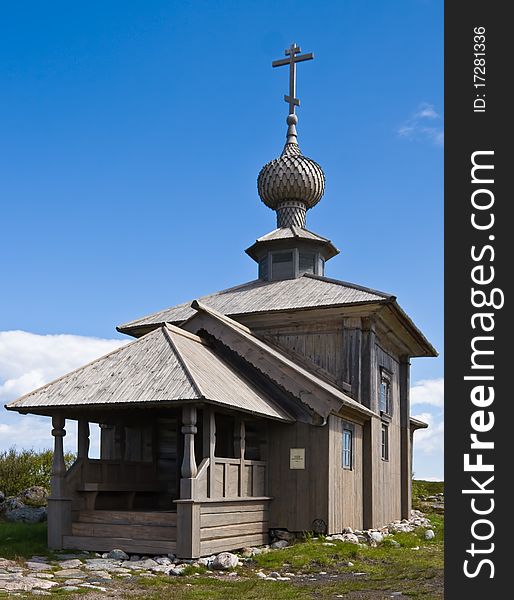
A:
(385, 392)
(263, 268)
(282, 265)
(347, 449)
(307, 261)
(385, 442)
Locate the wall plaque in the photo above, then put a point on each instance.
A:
(297, 458)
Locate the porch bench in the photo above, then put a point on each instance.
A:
(127, 490)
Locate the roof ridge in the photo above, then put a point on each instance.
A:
(343, 396)
(134, 322)
(91, 362)
(184, 333)
(354, 286)
(197, 305)
(183, 363)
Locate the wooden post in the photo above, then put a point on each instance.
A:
(106, 441)
(209, 448)
(371, 429)
(119, 441)
(189, 468)
(239, 451)
(405, 439)
(83, 439)
(59, 507)
(188, 511)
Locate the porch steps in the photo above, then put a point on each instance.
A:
(131, 531)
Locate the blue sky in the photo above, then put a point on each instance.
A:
(132, 134)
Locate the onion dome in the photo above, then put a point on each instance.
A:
(292, 183)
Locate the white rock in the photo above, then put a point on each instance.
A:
(163, 560)
(147, 563)
(328, 544)
(260, 574)
(38, 566)
(429, 534)
(117, 554)
(376, 536)
(350, 537)
(280, 544)
(225, 560)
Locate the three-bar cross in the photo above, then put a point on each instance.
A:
(294, 56)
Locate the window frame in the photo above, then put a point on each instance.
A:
(347, 426)
(347, 452)
(384, 442)
(272, 265)
(385, 378)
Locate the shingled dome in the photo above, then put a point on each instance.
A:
(292, 183)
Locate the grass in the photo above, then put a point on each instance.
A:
(23, 540)
(418, 574)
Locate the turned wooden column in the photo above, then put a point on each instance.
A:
(58, 464)
(188, 509)
(83, 439)
(59, 506)
(189, 468)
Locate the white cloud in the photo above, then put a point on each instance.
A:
(431, 440)
(417, 126)
(426, 111)
(29, 360)
(428, 391)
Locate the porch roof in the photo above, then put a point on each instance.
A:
(166, 365)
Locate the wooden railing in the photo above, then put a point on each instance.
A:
(230, 478)
(117, 471)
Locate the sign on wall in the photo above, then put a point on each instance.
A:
(297, 458)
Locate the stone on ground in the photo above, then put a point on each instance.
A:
(225, 560)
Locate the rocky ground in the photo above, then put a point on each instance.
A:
(115, 573)
(29, 506)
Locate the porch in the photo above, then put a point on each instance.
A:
(189, 481)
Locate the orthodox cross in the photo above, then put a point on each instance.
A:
(294, 56)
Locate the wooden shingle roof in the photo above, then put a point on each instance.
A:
(166, 365)
(308, 291)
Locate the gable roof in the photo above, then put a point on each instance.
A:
(166, 365)
(308, 291)
(319, 395)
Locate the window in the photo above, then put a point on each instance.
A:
(385, 442)
(385, 392)
(282, 265)
(347, 448)
(263, 268)
(307, 261)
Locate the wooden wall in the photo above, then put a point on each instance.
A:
(320, 343)
(233, 525)
(345, 486)
(387, 474)
(299, 495)
(349, 352)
